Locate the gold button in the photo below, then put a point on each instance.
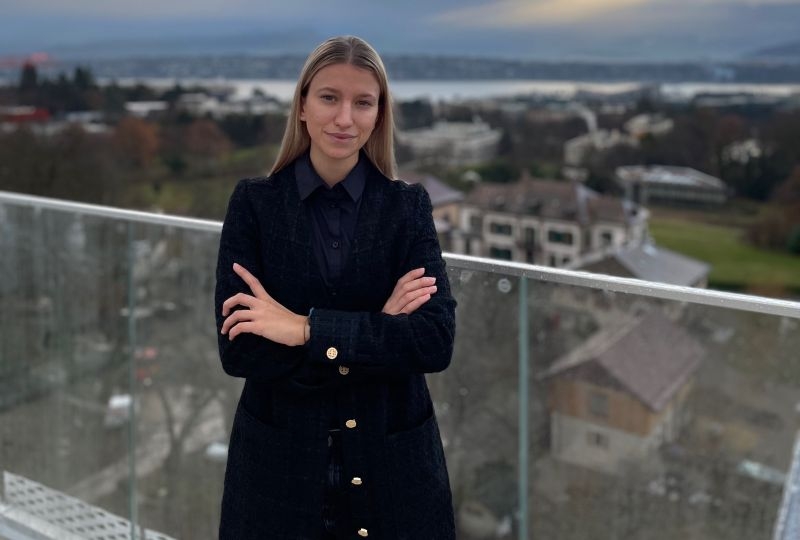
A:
(363, 533)
(344, 370)
(350, 423)
(356, 481)
(332, 353)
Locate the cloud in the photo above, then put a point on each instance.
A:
(518, 14)
(141, 9)
(524, 13)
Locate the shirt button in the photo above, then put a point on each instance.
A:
(350, 424)
(356, 481)
(335, 244)
(363, 533)
(344, 370)
(332, 353)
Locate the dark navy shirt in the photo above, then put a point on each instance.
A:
(333, 214)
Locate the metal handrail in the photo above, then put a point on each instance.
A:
(722, 299)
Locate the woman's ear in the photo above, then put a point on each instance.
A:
(303, 109)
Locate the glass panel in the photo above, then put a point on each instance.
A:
(63, 366)
(186, 400)
(700, 417)
(477, 402)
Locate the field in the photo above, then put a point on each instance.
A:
(736, 265)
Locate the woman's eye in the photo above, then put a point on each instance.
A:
(364, 103)
(328, 97)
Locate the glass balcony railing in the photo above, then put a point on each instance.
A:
(576, 406)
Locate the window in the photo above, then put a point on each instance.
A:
(559, 237)
(475, 222)
(598, 404)
(500, 253)
(530, 236)
(606, 238)
(500, 228)
(598, 440)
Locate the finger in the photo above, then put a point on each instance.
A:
(413, 295)
(235, 317)
(412, 274)
(248, 327)
(238, 299)
(412, 306)
(419, 283)
(251, 281)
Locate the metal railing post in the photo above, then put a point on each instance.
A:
(523, 409)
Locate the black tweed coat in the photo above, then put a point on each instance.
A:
(362, 370)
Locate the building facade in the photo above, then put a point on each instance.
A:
(670, 185)
(622, 394)
(452, 143)
(544, 222)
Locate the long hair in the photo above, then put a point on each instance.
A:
(342, 50)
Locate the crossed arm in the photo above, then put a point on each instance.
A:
(264, 316)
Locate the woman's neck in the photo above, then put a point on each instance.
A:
(332, 171)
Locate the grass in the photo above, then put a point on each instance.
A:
(735, 264)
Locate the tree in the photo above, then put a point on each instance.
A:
(28, 83)
(205, 141)
(136, 142)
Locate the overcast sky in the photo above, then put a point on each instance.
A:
(624, 29)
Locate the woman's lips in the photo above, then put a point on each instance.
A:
(342, 136)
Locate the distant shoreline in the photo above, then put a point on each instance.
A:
(438, 69)
(282, 89)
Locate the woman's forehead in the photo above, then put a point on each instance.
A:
(346, 77)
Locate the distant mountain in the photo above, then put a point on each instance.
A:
(785, 52)
(426, 67)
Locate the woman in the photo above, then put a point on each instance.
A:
(332, 302)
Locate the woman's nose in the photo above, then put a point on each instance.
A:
(344, 116)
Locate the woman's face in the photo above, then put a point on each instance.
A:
(340, 111)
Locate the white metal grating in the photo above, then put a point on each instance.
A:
(68, 513)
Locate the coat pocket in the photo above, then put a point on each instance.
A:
(420, 485)
(256, 477)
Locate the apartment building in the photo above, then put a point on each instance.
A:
(554, 223)
(452, 143)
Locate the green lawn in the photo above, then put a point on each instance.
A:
(735, 263)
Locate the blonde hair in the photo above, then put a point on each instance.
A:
(342, 50)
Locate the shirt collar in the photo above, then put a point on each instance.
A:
(308, 180)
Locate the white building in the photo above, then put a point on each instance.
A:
(143, 109)
(642, 125)
(578, 149)
(452, 143)
(545, 222)
(670, 185)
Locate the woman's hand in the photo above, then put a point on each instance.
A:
(263, 317)
(412, 290)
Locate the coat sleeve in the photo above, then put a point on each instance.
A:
(394, 345)
(248, 355)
